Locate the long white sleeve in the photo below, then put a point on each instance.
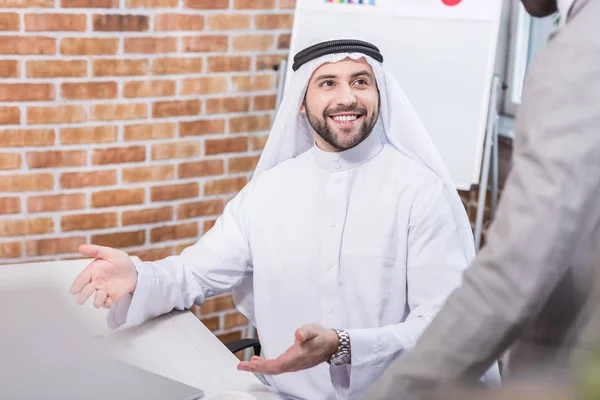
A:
(215, 264)
(434, 266)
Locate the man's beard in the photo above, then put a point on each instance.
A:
(321, 126)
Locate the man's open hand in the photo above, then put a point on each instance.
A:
(110, 277)
(313, 345)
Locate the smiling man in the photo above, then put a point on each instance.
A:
(340, 250)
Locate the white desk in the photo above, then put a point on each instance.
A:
(176, 345)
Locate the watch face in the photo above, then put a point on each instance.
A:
(342, 359)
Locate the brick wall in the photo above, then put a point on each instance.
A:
(130, 123)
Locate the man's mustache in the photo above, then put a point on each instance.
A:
(339, 110)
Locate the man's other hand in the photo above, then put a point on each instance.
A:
(313, 345)
(110, 277)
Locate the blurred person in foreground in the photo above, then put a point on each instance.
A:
(340, 250)
(534, 288)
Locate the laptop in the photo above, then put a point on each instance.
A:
(46, 353)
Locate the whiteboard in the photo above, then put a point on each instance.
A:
(442, 56)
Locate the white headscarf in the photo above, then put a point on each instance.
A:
(398, 125)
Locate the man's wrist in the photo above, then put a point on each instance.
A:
(332, 343)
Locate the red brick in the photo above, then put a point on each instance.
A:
(146, 174)
(229, 63)
(148, 216)
(10, 205)
(227, 105)
(88, 46)
(205, 85)
(9, 69)
(120, 240)
(174, 192)
(201, 127)
(234, 320)
(26, 91)
(283, 4)
(107, 112)
(254, 4)
(167, 66)
(229, 145)
(27, 3)
(149, 88)
(59, 202)
(172, 150)
(120, 23)
(119, 155)
(149, 131)
(265, 102)
(201, 168)
(206, 43)
(200, 209)
(178, 22)
(56, 159)
(162, 109)
(258, 142)
(151, 3)
(55, 22)
(10, 22)
(26, 137)
(269, 62)
(10, 250)
(207, 225)
(253, 42)
(152, 254)
(146, 45)
(242, 164)
(174, 232)
(9, 116)
(10, 161)
(26, 182)
(56, 115)
(283, 42)
(89, 90)
(222, 186)
(249, 124)
(225, 22)
(211, 323)
(89, 134)
(217, 304)
(120, 67)
(72, 180)
(46, 247)
(87, 222)
(113, 198)
(56, 69)
(274, 21)
(21, 227)
(206, 4)
(27, 45)
(89, 3)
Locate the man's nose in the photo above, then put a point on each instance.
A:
(346, 96)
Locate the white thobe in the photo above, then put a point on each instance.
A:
(362, 240)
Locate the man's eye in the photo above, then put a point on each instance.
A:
(326, 84)
(361, 82)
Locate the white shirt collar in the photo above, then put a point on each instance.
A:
(564, 6)
(363, 152)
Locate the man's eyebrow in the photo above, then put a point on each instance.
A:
(362, 73)
(322, 77)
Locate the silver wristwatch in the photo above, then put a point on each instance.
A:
(342, 355)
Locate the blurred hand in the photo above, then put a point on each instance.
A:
(313, 345)
(110, 277)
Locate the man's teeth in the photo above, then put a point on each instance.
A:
(345, 118)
